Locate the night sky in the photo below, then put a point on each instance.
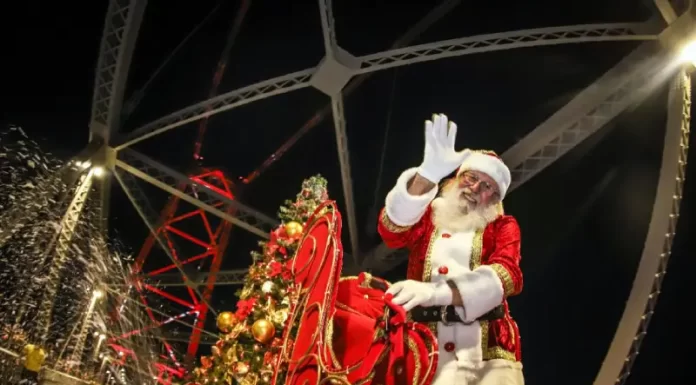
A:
(584, 219)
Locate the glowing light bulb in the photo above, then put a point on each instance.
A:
(98, 171)
(688, 53)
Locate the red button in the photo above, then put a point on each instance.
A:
(449, 347)
(445, 235)
(442, 270)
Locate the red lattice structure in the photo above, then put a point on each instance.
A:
(192, 237)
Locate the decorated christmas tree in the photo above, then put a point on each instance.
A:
(249, 347)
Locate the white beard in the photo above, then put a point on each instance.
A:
(451, 213)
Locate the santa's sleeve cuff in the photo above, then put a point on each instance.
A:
(481, 291)
(404, 209)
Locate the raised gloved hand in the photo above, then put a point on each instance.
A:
(440, 158)
(410, 294)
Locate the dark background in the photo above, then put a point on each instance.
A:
(584, 219)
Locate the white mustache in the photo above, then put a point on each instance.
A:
(470, 194)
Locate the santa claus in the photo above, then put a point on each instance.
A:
(464, 258)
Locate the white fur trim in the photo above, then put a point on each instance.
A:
(437, 202)
(403, 208)
(491, 166)
(442, 295)
(481, 291)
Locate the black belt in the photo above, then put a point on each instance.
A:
(447, 314)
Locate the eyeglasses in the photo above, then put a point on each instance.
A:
(471, 179)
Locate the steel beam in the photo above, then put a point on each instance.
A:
(627, 83)
(224, 277)
(123, 19)
(652, 268)
(669, 14)
(331, 77)
(220, 103)
(346, 178)
(537, 37)
(328, 27)
(195, 193)
(184, 338)
(65, 235)
(121, 27)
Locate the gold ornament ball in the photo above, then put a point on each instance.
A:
(293, 228)
(263, 331)
(226, 321)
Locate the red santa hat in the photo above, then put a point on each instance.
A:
(489, 163)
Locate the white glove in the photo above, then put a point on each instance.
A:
(410, 294)
(440, 158)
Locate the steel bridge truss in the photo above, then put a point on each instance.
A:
(629, 82)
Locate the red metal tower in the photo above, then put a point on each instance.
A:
(180, 224)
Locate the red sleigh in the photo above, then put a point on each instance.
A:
(345, 332)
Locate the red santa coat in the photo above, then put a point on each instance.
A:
(484, 264)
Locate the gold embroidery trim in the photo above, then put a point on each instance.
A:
(476, 250)
(416, 359)
(367, 281)
(496, 352)
(474, 262)
(505, 278)
(484, 151)
(367, 379)
(492, 352)
(501, 209)
(346, 308)
(329, 343)
(391, 226)
(428, 270)
(484, 339)
(427, 263)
